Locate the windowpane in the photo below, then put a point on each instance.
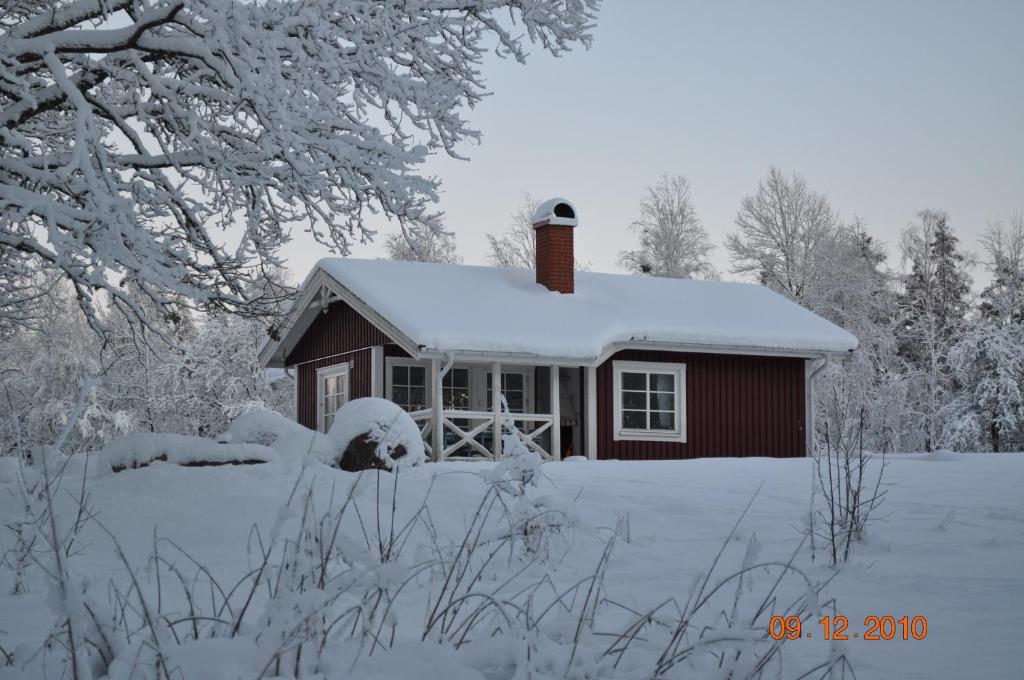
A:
(663, 420)
(417, 375)
(417, 398)
(515, 401)
(512, 382)
(328, 421)
(400, 395)
(662, 401)
(634, 400)
(663, 382)
(400, 375)
(634, 420)
(457, 377)
(634, 381)
(456, 398)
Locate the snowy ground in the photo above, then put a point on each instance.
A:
(964, 572)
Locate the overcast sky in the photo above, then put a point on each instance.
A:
(887, 107)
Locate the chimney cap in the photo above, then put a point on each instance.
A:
(555, 211)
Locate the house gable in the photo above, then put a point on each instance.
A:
(337, 335)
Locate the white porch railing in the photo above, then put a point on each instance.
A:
(467, 426)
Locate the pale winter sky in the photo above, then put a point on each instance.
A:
(887, 107)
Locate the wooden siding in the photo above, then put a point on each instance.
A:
(735, 406)
(338, 336)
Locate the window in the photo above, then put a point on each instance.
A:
(455, 389)
(649, 401)
(332, 394)
(513, 387)
(409, 386)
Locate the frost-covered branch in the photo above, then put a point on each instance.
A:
(177, 144)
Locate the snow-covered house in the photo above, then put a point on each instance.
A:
(603, 365)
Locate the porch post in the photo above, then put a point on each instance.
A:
(496, 403)
(556, 417)
(377, 371)
(436, 408)
(591, 410)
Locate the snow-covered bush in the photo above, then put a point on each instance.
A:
(535, 518)
(389, 433)
(848, 484)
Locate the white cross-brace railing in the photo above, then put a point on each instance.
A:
(529, 426)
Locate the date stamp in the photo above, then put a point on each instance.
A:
(836, 628)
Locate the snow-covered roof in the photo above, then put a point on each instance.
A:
(443, 307)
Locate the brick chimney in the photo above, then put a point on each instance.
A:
(554, 221)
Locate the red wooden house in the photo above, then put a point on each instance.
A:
(602, 365)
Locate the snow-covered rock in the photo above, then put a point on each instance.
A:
(142, 448)
(287, 437)
(390, 432)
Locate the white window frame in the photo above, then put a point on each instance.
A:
(329, 372)
(389, 365)
(624, 434)
(478, 393)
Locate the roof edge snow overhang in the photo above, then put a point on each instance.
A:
(611, 349)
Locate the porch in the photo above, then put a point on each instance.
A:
(458, 405)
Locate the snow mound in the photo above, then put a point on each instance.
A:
(142, 448)
(285, 436)
(383, 422)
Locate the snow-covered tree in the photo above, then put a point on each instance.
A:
(433, 247)
(932, 308)
(178, 143)
(988, 360)
(673, 242)
(1004, 245)
(782, 232)
(857, 294)
(44, 370)
(516, 248)
(186, 374)
(217, 376)
(792, 240)
(987, 410)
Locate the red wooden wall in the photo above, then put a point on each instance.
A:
(735, 406)
(338, 336)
